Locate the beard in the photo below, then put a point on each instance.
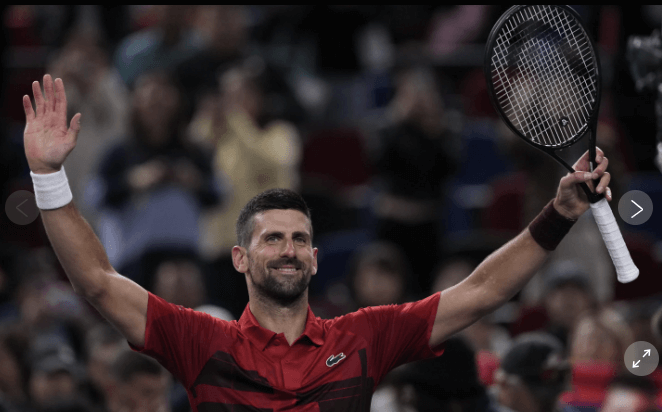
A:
(282, 289)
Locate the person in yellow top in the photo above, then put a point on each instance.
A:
(252, 155)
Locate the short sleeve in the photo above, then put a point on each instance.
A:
(179, 338)
(399, 334)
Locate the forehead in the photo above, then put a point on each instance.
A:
(286, 221)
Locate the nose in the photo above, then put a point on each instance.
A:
(288, 249)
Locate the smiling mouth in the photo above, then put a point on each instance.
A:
(287, 270)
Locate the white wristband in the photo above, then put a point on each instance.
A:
(51, 191)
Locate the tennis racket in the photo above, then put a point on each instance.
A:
(543, 78)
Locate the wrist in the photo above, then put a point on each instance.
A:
(562, 211)
(42, 169)
(51, 190)
(550, 227)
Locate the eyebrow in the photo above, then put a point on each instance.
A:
(281, 234)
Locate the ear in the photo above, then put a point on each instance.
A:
(240, 259)
(314, 261)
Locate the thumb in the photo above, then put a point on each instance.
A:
(74, 127)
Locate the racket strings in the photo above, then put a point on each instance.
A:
(544, 76)
(540, 124)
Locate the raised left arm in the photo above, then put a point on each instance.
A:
(505, 272)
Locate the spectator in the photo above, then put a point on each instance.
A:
(488, 339)
(596, 346)
(141, 384)
(159, 48)
(446, 383)
(224, 29)
(180, 282)
(95, 88)
(412, 162)
(102, 345)
(156, 182)
(255, 153)
(56, 376)
(533, 373)
(379, 275)
(568, 297)
(629, 392)
(600, 337)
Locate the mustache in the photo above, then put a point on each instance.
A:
(286, 262)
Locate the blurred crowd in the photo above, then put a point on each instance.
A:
(379, 117)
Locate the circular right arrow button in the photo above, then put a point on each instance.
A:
(635, 207)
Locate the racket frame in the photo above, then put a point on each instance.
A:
(591, 125)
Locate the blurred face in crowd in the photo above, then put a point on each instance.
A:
(238, 92)
(375, 285)
(49, 388)
(173, 20)
(566, 303)
(451, 274)
(99, 365)
(280, 260)
(512, 392)
(418, 100)
(157, 103)
(224, 26)
(180, 282)
(143, 392)
(593, 342)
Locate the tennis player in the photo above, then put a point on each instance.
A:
(278, 355)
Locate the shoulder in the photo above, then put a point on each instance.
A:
(162, 309)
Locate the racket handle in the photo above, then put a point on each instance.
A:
(626, 271)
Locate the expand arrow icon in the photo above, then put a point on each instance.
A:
(647, 353)
(640, 209)
(635, 365)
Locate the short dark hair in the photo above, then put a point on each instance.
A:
(130, 363)
(274, 199)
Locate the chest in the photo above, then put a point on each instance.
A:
(334, 376)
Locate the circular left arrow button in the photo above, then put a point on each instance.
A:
(21, 207)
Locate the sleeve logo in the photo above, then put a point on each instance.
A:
(334, 359)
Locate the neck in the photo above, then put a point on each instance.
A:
(289, 320)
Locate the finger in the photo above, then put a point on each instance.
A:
(38, 97)
(74, 127)
(604, 182)
(599, 154)
(576, 178)
(49, 93)
(583, 163)
(608, 194)
(27, 107)
(602, 167)
(60, 98)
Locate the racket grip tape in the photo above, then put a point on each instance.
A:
(626, 270)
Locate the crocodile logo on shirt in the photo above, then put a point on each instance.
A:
(334, 359)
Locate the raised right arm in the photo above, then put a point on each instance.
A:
(48, 141)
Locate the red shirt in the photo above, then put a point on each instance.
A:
(334, 365)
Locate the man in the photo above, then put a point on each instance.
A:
(140, 384)
(533, 374)
(278, 356)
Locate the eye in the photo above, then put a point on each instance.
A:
(272, 238)
(300, 239)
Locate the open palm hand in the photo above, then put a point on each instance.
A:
(46, 138)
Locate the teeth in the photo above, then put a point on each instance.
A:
(287, 269)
